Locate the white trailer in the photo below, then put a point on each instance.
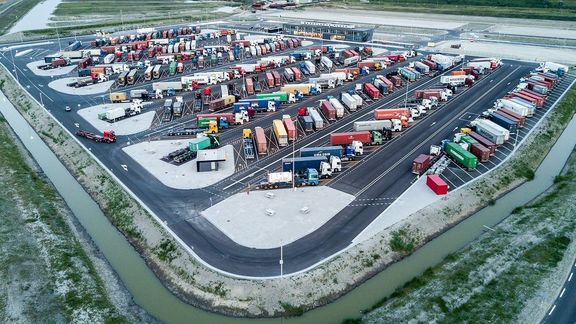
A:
(351, 60)
(329, 82)
(378, 125)
(553, 67)
(338, 106)
(315, 115)
(349, 101)
(358, 99)
(514, 107)
(326, 62)
(115, 113)
(310, 67)
(108, 59)
(161, 86)
(455, 80)
(340, 76)
(491, 130)
(201, 79)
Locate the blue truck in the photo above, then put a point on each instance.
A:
(259, 105)
(301, 164)
(506, 123)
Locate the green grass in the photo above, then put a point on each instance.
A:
(130, 7)
(555, 10)
(10, 14)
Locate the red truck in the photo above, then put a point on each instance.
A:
(84, 62)
(260, 140)
(290, 128)
(328, 110)
(347, 138)
(297, 73)
(270, 80)
(108, 136)
(393, 113)
(481, 152)
(371, 91)
(485, 142)
(421, 163)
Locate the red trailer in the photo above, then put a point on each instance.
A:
(371, 91)
(277, 78)
(249, 85)
(260, 140)
(394, 113)
(397, 80)
(84, 62)
(388, 83)
(485, 142)
(216, 104)
(421, 163)
(290, 128)
(437, 185)
(297, 73)
(328, 110)
(430, 64)
(270, 79)
(481, 152)
(538, 101)
(347, 138)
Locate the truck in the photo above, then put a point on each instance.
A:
(334, 155)
(310, 67)
(338, 106)
(324, 82)
(402, 114)
(259, 105)
(538, 102)
(491, 131)
(275, 180)
(482, 153)
(290, 127)
(118, 97)
(280, 132)
(328, 110)
(559, 69)
(504, 122)
(519, 119)
(518, 108)
(300, 165)
(221, 103)
(307, 123)
(378, 125)
(409, 75)
(326, 62)
(261, 142)
(491, 146)
(202, 143)
(316, 118)
(363, 137)
(371, 91)
(439, 94)
(178, 107)
(249, 84)
(302, 88)
(461, 156)
(349, 101)
(371, 65)
(457, 80)
(248, 144)
(359, 101)
(131, 77)
(107, 136)
(164, 86)
(283, 97)
(84, 81)
(421, 163)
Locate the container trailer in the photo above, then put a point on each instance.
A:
(260, 140)
(328, 110)
(517, 108)
(421, 163)
(482, 153)
(491, 146)
(290, 127)
(280, 132)
(307, 123)
(349, 101)
(371, 91)
(300, 165)
(316, 118)
(461, 156)
(338, 106)
(504, 122)
(520, 120)
(283, 97)
(275, 180)
(434, 182)
(491, 131)
(378, 125)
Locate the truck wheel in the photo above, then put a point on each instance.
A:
(313, 184)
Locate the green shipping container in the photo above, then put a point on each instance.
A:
(199, 143)
(468, 140)
(172, 68)
(461, 156)
(213, 59)
(203, 122)
(282, 96)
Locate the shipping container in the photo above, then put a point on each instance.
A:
(391, 113)
(260, 140)
(439, 186)
(280, 132)
(307, 123)
(347, 138)
(481, 152)
(421, 164)
(290, 127)
(349, 101)
(504, 122)
(484, 142)
(249, 86)
(371, 91)
(460, 155)
(328, 110)
(520, 119)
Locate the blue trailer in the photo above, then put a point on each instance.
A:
(411, 76)
(259, 105)
(307, 123)
(328, 151)
(301, 164)
(74, 45)
(504, 122)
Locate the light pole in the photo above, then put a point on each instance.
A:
(293, 175)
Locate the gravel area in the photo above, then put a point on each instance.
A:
(61, 85)
(534, 31)
(185, 176)
(509, 51)
(417, 197)
(128, 126)
(33, 67)
(296, 214)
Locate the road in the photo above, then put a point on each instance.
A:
(563, 311)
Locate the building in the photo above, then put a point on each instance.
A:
(207, 160)
(332, 31)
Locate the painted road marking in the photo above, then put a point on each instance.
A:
(570, 278)
(553, 308)
(562, 293)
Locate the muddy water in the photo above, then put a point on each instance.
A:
(149, 293)
(37, 18)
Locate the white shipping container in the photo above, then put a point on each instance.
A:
(349, 101)
(338, 106)
(310, 67)
(115, 113)
(326, 62)
(358, 99)
(276, 177)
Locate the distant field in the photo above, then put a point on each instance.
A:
(11, 11)
(132, 7)
(556, 10)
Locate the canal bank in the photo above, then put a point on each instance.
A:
(151, 294)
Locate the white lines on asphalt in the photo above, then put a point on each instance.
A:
(370, 204)
(570, 278)
(507, 149)
(450, 182)
(364, 199)
(562, 293)
(552, 310)
(497, 158)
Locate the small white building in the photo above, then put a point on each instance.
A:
(207, 160)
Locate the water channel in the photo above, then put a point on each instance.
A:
(149, 293)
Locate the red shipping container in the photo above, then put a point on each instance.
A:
(371, 91)
(397, 80)
(521, 119)
(395, 113)
(290, 128)
(328, 110)
(277, 79)
(270, 79)
(421, 163)
(437, 185)
(297, 74)
(249, 86)
(347, 138)
(481, 152)
(260, 139)
(485, 142)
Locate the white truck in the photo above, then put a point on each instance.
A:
(491, 130)
(325, 82)
(326, 62)
(340, 76)
(338, 106)
(349, 101)
(455, 80)
(162, 86)
(553, 67)
(514, 107)
(378, 125)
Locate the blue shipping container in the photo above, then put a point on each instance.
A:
(321, 151)
(302, 163)
(504, 122)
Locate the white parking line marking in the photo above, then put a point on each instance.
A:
(570, 278)
(562, 293)
(553, 308)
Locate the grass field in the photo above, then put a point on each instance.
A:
(491, 279)
(555, 10)
(11, 11)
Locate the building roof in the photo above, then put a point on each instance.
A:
(211, 155)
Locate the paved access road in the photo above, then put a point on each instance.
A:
(563, 311)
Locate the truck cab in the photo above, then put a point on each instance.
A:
(357, 147)
(335, 163)
(309, 178)
(375, 138)
(241, 117)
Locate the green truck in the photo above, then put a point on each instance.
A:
(468, 140)
(172, 68)
(213, 59)
(204, 142)
(461, 156)
(283, 97)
